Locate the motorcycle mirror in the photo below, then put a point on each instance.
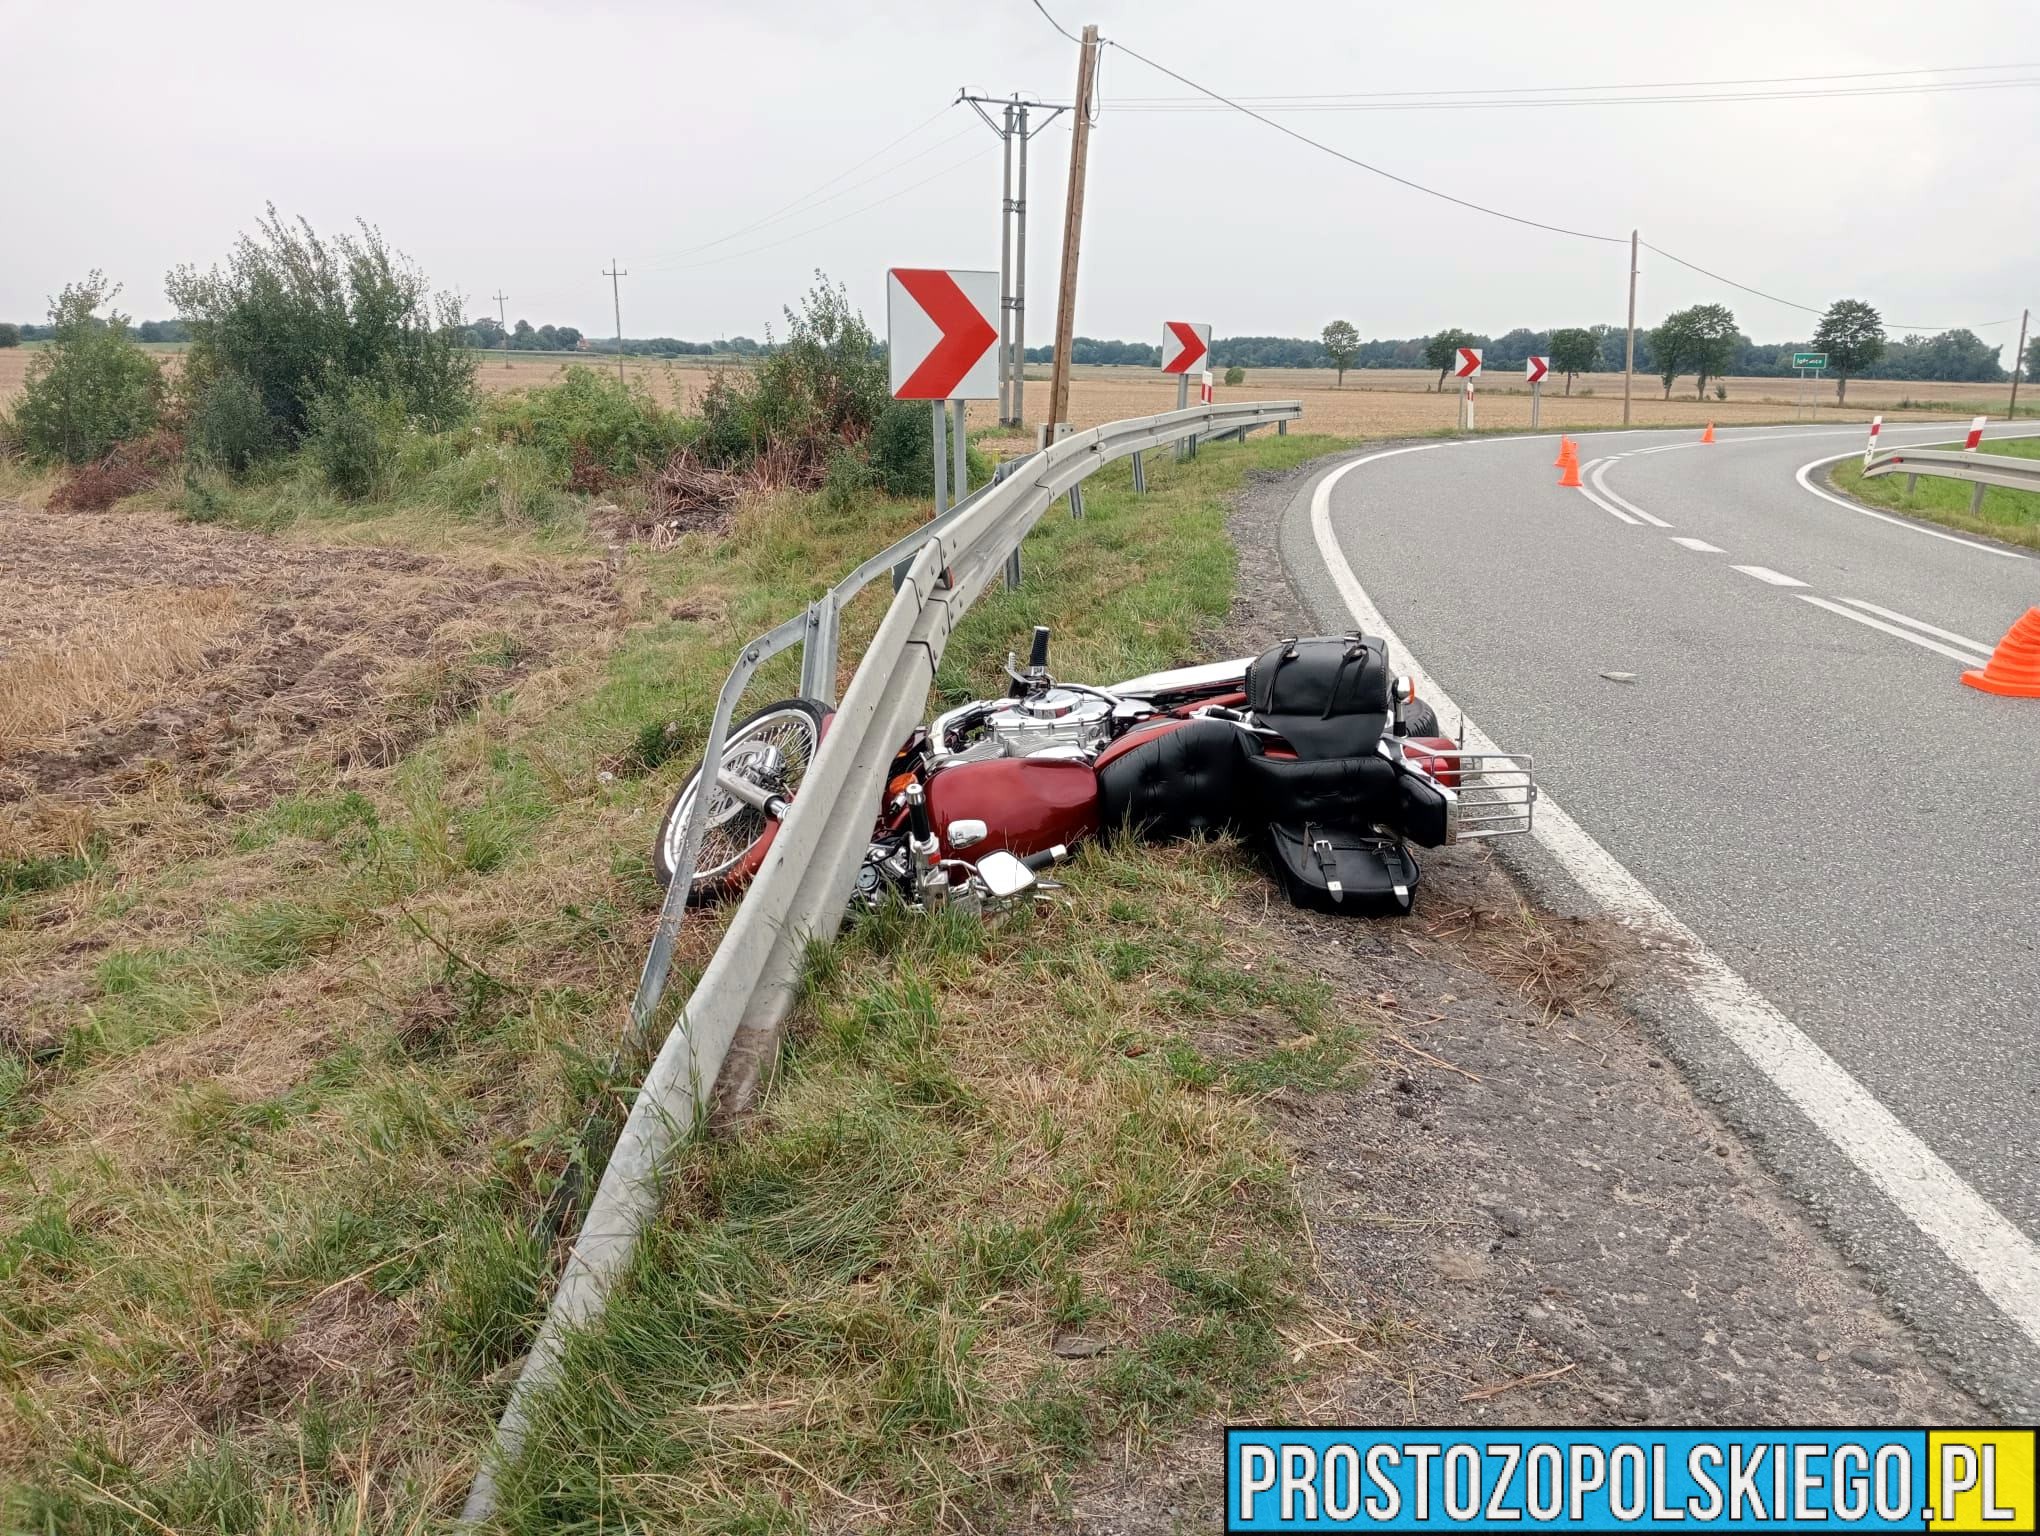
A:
(1003, 875)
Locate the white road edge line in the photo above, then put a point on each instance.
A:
(1892, 629)
(1699, 546)
(1919, 624)
(2002, 1261)
(1908, 523)
(1602, 486)
(1765, 573)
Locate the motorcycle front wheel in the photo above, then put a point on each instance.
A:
(772, 750)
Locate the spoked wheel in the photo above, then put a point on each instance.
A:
(771, 751)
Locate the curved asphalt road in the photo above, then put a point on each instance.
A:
(1816, 797)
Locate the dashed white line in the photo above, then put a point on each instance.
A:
(1700, 546)
(1965, 657)
(2002, 1260)
(1765, 573)
(1920, 624)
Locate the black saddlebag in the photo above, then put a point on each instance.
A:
(1337, 869)
(1329, 697)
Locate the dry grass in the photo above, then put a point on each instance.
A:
(109, 661)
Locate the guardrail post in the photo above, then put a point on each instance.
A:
(1912, 483)
(1013, 570)
(1282, 427)
(812, 672)
(1076, 501)
(1976, 500)
(1139, 474)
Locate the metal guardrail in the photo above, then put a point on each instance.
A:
(1980, 469)
(804, 888)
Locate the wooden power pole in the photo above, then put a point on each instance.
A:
(1073, 232)
(1629, 333)
(2019, 362)
(615, 274)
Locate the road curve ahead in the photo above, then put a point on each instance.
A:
(1786, 761)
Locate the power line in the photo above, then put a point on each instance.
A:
(1478, 207)
(900, 192)
(1317, 144)
(1636, 85)
(795, 210)
(1896, 325)
(803, 201)
(1478, 104)
(1066, 32)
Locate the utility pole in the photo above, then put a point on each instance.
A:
(1629, 332)
(2019, 362)
(1013, 128)
(1073, 233)
(503, 323)
(616, 294)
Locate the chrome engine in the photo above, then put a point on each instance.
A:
(1054, 722)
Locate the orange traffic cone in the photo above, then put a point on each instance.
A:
(1570, 474)
(2014, 667)
(1708, 435)
(1566, 450)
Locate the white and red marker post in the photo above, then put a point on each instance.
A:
(1204, 387)
(1534, 370)
(1870, 448)
(941, 328)
(1469, 370)
(1969, 443)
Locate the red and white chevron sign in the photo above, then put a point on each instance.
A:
(1469, 363)
(1184, 346)
(1535, 368)
(941, 328)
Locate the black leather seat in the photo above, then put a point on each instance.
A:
(1180, 783)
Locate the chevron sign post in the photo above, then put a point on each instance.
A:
(1534, 370)
(1186, 349)
(941, 330)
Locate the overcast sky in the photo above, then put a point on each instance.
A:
(521, 143)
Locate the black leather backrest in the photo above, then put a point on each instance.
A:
(1328, 696)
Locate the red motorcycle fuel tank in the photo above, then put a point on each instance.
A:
(1028, 804)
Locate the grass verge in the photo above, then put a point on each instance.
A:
(2013, 516)
(284, 1091)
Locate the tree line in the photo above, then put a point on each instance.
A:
(1703, 341)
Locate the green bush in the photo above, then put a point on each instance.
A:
(91, 387)
(353, 437)
(1236, 375)
(824, 385)
(228, 429)
(848, 481)
(901, 450)
(301, 318)
(591, 419)
(10, 334)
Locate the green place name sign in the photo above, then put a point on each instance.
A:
(1809, 359)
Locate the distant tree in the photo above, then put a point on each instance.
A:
(92, 387)
(1947, 357)
(1235, 375)
(522, 337)
(1574, 351)
(2031, 369)
(1514, 348)
(1442, 350)
(567, 337)
(1669, 345)
(10, 334)
(1342, 344)
(1852, 335)
(1713, 340)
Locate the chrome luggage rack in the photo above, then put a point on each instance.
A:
(1496, 795)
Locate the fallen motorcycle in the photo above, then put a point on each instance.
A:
(1313, 748)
